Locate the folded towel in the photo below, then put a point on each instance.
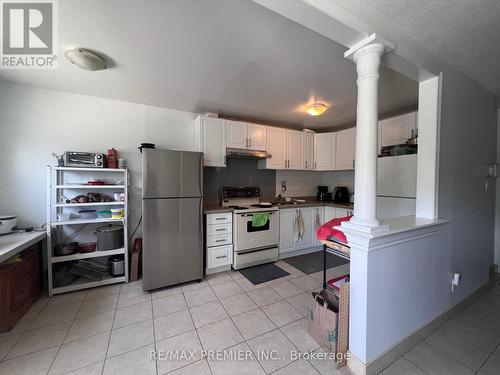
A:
(317, 220)
(299, 227)
(260, 219)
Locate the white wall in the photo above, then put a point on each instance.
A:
(36, 122)
(339, 178)
(298, 183)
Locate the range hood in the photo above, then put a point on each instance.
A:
(246, 154)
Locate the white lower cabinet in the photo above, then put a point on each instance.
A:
(219, 256)
(308, 240)
(219, 241)
(334, 212)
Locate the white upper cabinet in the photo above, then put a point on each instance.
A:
(308, 150)
(211, 140)
(246, 136)
(295, 149)
(276, 146)
(286, 149)
(324, 151)
(236, 134)
(345, 150)
(257, 135)
(396, 130)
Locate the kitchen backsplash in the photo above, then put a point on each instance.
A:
(338, 178)
(239, 172)
(298, 183)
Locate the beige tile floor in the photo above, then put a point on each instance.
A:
(113, 329)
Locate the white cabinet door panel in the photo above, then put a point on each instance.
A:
(236, 134)
(397, 130)
(308, 150)
(345, 150)
(295, 150)
(213, 141)
(397, 176)
(324, 151)
(286, 231)
(256, 137)
(276, 146)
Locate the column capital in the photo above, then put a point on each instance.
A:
(371, 44)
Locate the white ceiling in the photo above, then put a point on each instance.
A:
(465, 33)
(233, 57)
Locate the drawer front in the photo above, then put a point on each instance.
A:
(222, 218)
(225, 239)
(219, 256)
(215, 230)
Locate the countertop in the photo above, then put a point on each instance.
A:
(14, 243)
(214, 208)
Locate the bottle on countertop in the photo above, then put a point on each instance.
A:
(112, 158)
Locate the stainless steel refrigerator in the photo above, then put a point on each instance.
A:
(172, 209)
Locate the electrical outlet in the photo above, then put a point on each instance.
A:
(283, 186)
(455, 281)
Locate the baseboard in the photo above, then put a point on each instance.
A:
(378, 365)
(300, 252)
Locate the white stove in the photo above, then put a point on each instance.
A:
(253, 245)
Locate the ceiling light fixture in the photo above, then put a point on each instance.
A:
(316, 109)
(85, 59)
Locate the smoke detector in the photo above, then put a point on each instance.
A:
(85, 59)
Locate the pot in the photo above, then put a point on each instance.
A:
(68, 249)
(116, 265)
(109, 237)
(7, 223)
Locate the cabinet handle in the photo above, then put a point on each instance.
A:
(315, 165)
(220, 218)
(221, 257)
(220, 229)
(220, 240)
(249, 142)
(306, 164)
(353, 162)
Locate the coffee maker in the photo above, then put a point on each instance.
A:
(341, 194)
(323, 195)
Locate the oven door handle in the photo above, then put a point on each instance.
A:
(250, 215)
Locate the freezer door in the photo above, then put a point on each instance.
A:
(171, 174)
(173, 246)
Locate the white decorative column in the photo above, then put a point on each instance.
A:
(367, 55)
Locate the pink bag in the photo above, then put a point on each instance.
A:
(323, 324)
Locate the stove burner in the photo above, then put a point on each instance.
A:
(261, 205)
(238, 207)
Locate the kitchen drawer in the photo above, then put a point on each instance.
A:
(219, 256)
(225, 239)
(218, 229)
(222, 218)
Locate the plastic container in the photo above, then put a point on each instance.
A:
(117, 213)
(87, 214)
(104, 214)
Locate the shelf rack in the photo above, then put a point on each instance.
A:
(58, 184)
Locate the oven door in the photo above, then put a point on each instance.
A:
(248, 237)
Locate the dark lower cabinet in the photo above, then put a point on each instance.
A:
(19, 288)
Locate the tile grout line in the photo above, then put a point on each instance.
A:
(154, 332)
(197, 334)
(447, 356)
(66, 335)
(489, 356)
(111, 332)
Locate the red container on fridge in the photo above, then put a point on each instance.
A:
(112, 158)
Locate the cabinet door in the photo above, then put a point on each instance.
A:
(236, 134)
(345, 150)
(308, 150)
(295, 150)
(286, 230)
(321, 212)
(309, 236)
(341, 212)
(213, 141)
(397, 130)
(324, 151)
(276, 146)
(329, 213)
(257, 137)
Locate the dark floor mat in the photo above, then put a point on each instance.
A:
(313, 262)
(263, 273)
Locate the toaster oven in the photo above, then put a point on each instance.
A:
(83, 159)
